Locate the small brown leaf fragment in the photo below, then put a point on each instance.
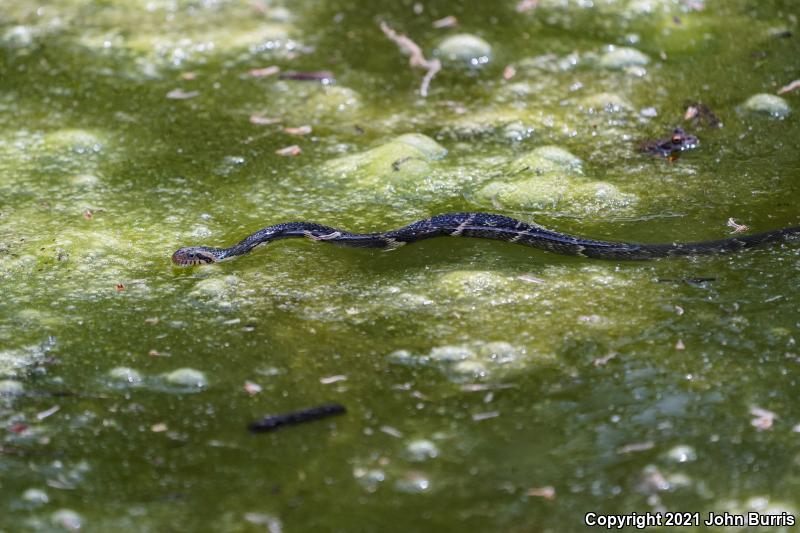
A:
(679, 345)
(158, 428)
(446, 22)
(509, 72)
(260, 120)
(120, 287)
(88, 214)
(790, 87)
(252, 388)
(547, 492)
(180, 94)
(526, 5)
(300, 130)
(737, 228)
(763, 419)
(290, 151)
(264, 72)
(154, 353)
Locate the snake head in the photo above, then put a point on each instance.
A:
(197, 255)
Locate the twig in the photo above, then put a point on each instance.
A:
(416, 58)
(790, 87)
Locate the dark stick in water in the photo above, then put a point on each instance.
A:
(273, 422)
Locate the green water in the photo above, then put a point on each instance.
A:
(475, 373)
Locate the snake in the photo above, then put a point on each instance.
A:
(480, 226)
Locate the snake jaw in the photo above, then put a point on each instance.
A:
(197, 255)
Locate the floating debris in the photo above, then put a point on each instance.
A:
(264, 72)
(260, 120)
(393, 432)
(300, 130)
(602, 361)
(763, 419)
(48, 412)
(701, 113)
(252, 388)
(790, 87)
(332, 379)
(737, 228)
(289, 151)
(546, 492)
(446, 22)
(416, 57)
(325, 77)
(273, 422)
(179, 94)
(636, 447)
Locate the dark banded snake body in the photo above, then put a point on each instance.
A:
(480, 226)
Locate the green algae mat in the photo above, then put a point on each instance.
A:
(488, 387)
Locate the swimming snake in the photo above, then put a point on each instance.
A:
(481, 226)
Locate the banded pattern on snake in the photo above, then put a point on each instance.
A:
(481, 226)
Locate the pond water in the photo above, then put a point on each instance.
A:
(488, 386)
